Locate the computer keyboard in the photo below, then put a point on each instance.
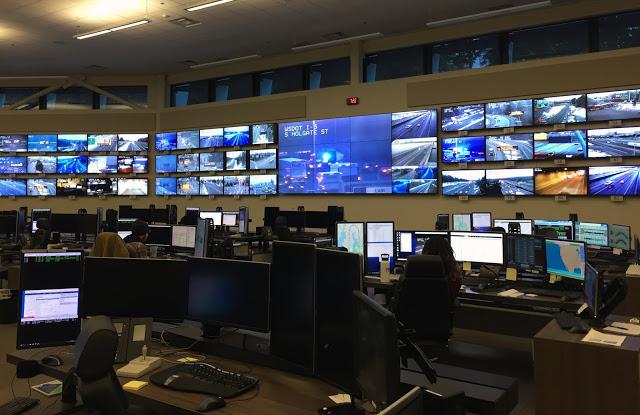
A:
(204, 378)
(570, 295)
(18, 406)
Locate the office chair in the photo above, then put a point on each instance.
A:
(281, 230)
(95, 351)
(423, 302)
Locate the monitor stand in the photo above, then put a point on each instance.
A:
(211, 331)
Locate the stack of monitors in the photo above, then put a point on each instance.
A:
(237, 136)
(255, 184)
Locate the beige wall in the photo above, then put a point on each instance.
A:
(598, 71)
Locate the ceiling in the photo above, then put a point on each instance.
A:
(36, 36)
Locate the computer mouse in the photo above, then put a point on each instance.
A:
(52, 360)
(211, 403)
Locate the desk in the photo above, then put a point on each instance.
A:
(573, 377)
(47, 405)
(279, 392)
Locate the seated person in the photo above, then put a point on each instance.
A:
(437, 245)
(109, 245)
(135, 241)
(42, 237)
(190, 218)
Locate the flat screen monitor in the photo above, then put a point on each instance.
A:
(592, 233)
(350, 235)
(212, 137)
(380, 239)
(228, 293)
(72, 164)
(525, 253)
(230, 218)
(236, 160)
(508, 182)
(211, 185)
(481, 221)
(40, 213)
(237, 136)
(42, 164)
(263, 184)
(46, 270)
(192, 211)
(13, 165)
(188, 186)
(563, 228)
(102, 187)
(74, 223)
(377, 362)
(8, 224)
(42, 143)
(613, 181)
(442, 221)
(414, 124)
(13, 187)
(102, 142)
(125, 224)
(133, 142)
(513, 147)
(133, 187)
(560, 145)
(463, 149)
(124, 234)
(166, 163)
(159, 235)
(166, 186)
(463, 182)
(592, 289)
(414, 165)
(212, 161)
(620, 237)
(614, 142)
(263, 133)
(505, 114)
(519, 226)
(263, 159)
(413, 242)
(132, 164)
(41, 187)
(462, 222)
(72, 142)
(187, 140)
(243, 220)
(561, 181)
(183, 236)
(103, 164)
(202, 238)
(215, 216)
(566, 258)
(480, 247)
(236, 185)
(560, 110)
(72, 186)
(166, 141)
(15, 143)
(613, 105)
(188, 163)
(463, 117)
(154, 288)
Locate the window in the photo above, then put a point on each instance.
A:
(391, 64)
(11, 95)
(330, 73)
(619, 31)
(135, 94)
(190, 93)
(72, 98)
(280, 80)
(233, 87)
(475, 52)
(549, 41)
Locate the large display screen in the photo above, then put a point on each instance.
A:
(414, 124)
(189, 186)
(463, 117)
(560, 144)
(340, 155)
(166, 163)
(518, 113)
(463, 149)
(102, 142)
(133, 142)
(463, 182)
(509, 182)
(41, 187)
(614, 142)
(103, 164)
(15, 143)
(614, 181)
(236, 160)
(263, 134)
(213, 137)
(560, 110)
(237, 136)
(263, 159)
(211, 161)
(72, 142)
(213, 185)
(263, 184)
(166, 141)
(13, 187)
(188, 139)
(166, 186)
(414, 164)
(132, 164)
(188, 162)
(561, 181)
(614, 105)
(236, 185)
(509, 147)
(72, 164)
(42, 164)
(13, 165)
(132, 187)
(42, 142)
(102, 187)
(72, 186)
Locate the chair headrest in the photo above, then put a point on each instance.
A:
(95, 348)
(424, 266)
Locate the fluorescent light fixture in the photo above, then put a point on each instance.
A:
(207, 5)
(491, 13)
(113, 29)
(336, 42)
(222, 62)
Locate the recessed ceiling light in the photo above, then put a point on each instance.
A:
(112, 29)
(207, 5)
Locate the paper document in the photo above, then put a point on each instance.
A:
(341, 398)
(626, 329)
(512, 293)
(601, 338)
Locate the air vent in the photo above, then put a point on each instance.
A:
(185, 22)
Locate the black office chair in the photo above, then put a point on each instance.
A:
(281, 229)
(423, 301)
(95, 352)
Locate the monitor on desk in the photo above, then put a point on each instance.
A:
(125, 224)
(566, 258)
(525, 253)
(183, 236)
(620, 237)
(202, 238)
(379, 237)
(521, 226)
(229, 293)
(8, 224)
(159, 235)
(37, 214)
(481, 221)
(562, 228)
(479, 247)
(124, 234)
(350, 235)
(214, 215)
(413, 242)
(74, 223)
(243, 220)
(462, 222)
(192, 211)
(592, 290)
(230, 218)
(592, 233)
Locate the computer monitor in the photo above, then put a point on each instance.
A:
(592, 290)
(521, 226)
(566, 258)
(462, 222)
(230, 218)
(183, 236)
(620, 237)
(563, 228)
(376, 360)
(9, 224)
(214, 215)
(159, 235)
(413, 242)
(74, 223)
(229, 293)
(124, 234)
(409, 404)
(442, 222)
(350, 235)
(525, 253)
(480, 247)
(192, 211)
(481, 221)
(243, 220)
(135, 287)
(379, 237)
(40, 213)
(125, 224)
(592, 233)
(202, 238)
